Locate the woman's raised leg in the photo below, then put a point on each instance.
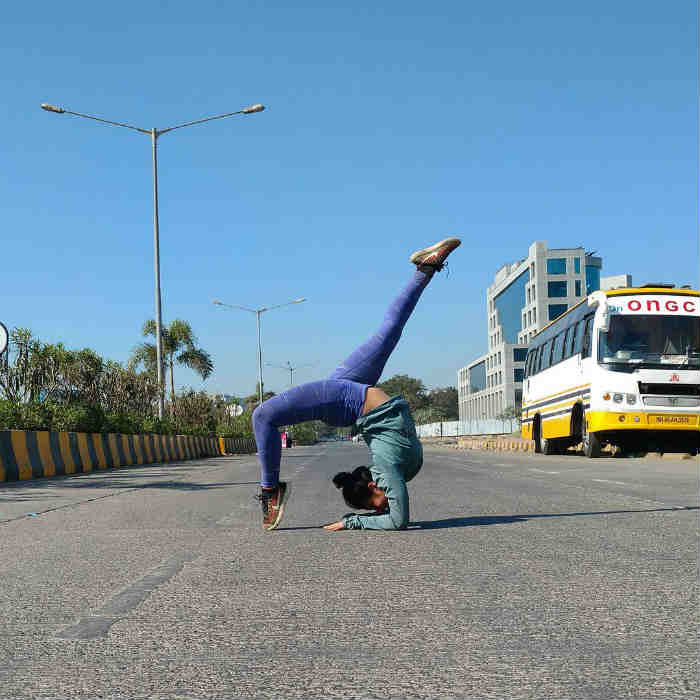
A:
(366, 364)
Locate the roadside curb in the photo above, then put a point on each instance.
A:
(494, 444)
(38, 454)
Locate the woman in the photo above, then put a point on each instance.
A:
(349, 397)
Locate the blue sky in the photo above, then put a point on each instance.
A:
(387, 126)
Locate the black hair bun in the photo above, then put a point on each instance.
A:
(362, 474)
(342, 479)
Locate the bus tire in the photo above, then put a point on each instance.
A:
(537, 434)
(550, 447)
(589, 441)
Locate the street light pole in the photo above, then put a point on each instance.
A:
(156, 266)
(154, 134)
(258, 313)
(260, 382)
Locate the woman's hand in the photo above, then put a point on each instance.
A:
(335, 526)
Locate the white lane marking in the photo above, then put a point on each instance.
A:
(541, 471)
(607, 481)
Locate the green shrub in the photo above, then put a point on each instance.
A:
(10, 416)
(77, 418)
(35, 416)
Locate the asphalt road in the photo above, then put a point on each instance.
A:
(520, 576)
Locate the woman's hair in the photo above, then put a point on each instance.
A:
(355, 487)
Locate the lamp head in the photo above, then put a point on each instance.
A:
(252, 109)
(52, 108)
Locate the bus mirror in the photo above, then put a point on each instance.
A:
(604, 321)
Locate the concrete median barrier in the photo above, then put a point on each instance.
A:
(37, 454)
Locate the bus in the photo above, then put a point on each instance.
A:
(622, 369)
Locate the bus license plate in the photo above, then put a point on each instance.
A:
(674, 420)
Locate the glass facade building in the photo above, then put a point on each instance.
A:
(509, 303)
(478, 377)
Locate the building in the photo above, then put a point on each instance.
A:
(523, 298)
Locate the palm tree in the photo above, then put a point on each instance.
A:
(178, 345)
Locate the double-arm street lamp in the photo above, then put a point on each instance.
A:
(291, 369)
(258, 313)
(154, 134)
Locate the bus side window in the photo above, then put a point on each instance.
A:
(565, 350)
(579, 337)
(572, 340)
(533, 362)
(558, 348)
(587, 337)
(546, 355)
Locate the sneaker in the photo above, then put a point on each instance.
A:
(435, 255)
(272, 503)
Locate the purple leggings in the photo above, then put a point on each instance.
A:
(339, 399)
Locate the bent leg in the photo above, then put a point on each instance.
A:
(366, 364)
(336, 402)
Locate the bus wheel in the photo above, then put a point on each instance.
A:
(589, 441)
(550, 447)
(537, 434)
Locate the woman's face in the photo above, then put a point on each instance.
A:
(377, 498)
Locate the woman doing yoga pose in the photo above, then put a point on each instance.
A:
(349, 397)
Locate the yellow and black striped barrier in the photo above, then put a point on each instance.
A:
(30, 454)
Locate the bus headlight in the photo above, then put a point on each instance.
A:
(631, 399)
(618, 398)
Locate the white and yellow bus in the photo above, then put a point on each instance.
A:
(620, 368)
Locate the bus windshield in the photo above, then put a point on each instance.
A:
(651, 341)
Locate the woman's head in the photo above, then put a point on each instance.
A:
(360, 491)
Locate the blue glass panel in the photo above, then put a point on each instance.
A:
(592, 279)
(518, 374)
(556, 266)
(577, 265)
(519, 354)
(557, 289)
(477, 377)
(556, 310)
(509, 304)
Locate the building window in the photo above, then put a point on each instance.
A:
(534, 315)
(533, 294)
(499, 358)
(524, 321)
(532, 271)
(577, 284)
(529, 317)
(518, 374)
(557, 289)
(519, 354)
(556, 266)
(577, 266)
(528, 295)
(592, 279)
(556, 310)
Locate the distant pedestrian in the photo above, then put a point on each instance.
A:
(349, 397)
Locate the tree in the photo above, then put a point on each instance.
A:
(431, 414)
(413, 390)
(178, 345)
(445, 400)
(510, 414)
